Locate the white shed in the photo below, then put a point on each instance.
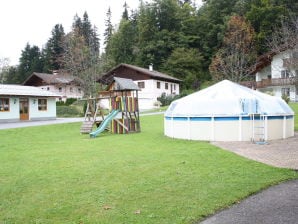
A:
(227, 111)
(19, 103)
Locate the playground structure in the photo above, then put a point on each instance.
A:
(121, 97)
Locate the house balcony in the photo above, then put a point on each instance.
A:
(269, 82)
(275, 82)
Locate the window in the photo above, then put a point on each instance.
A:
(141, 85)
(60, 89)
(79, 90)
(4, 104)
(158, 85)
(70, 89)
(42, 104)
(166, 85)
(285, 91)
(285, 74)
(174, 86)
(48, 88)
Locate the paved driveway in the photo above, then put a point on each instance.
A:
(275, 205)
(280, 153)
(22, 124)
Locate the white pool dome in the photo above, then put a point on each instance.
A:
(227, 111)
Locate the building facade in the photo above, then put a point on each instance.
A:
(152, 84)
(278, 75)
(66, 86)
(21, 103)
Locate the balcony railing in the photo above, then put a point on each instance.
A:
(269, 82)
(275, 82)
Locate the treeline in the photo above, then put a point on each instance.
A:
(190, 43)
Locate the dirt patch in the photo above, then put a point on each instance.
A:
(280, 153)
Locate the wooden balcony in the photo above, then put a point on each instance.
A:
(269, 82)
(275, 82)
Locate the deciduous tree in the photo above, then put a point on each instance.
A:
(237, 54)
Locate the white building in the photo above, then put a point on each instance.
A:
(152, 84)
(18, 103)
(278, 73)
(66, 86)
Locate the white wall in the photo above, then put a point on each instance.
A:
(275, 70)
(13, 114)
(67, 91)
(148, 95)
(35, 114)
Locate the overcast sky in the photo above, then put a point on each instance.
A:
(31, 21)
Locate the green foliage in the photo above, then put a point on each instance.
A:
(166, 100)
(286, 98)
(53, 174)
(54, 50)
(68, 102)
(237, 55)
(68, 111)
(30, 61)
(187, 65)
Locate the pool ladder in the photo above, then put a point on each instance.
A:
(258, 128)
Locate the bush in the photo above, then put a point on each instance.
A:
(68, 102)
(286, 98)
(68, 111)
(167, 100)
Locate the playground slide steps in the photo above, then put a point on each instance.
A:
(86, 127)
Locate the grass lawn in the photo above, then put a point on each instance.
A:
(294, 107)
(52, 174)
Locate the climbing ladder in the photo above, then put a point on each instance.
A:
(258, 128)
(92, 111)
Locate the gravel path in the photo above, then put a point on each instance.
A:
(280, 153)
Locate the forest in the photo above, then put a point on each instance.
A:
(220, 40)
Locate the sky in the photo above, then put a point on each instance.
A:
(31, 21)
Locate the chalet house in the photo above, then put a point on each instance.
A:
(278, 74)
(18, 103)
(64, 85)
(152, 84)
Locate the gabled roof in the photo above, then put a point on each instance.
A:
(125, 84)
(52, 79)
(106, 78)
(19, 90)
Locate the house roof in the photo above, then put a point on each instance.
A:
(106, 78)
(125, 84)
(262, 62)
(19, 90)
(52, 78)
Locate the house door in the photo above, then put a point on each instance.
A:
(24, 109)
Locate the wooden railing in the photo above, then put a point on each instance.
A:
(269, 82)
(275, 82)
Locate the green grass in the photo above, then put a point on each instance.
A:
(52, 174)
(294, 107)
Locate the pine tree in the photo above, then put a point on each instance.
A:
(109, 27)
(54, 50)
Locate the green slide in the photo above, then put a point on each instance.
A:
(104, 123)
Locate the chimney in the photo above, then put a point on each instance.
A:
(151, 67)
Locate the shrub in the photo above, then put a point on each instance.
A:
(167, 100)
(285, 98)
(68, 102)
(68, 111)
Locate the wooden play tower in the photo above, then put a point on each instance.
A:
(121, 97)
